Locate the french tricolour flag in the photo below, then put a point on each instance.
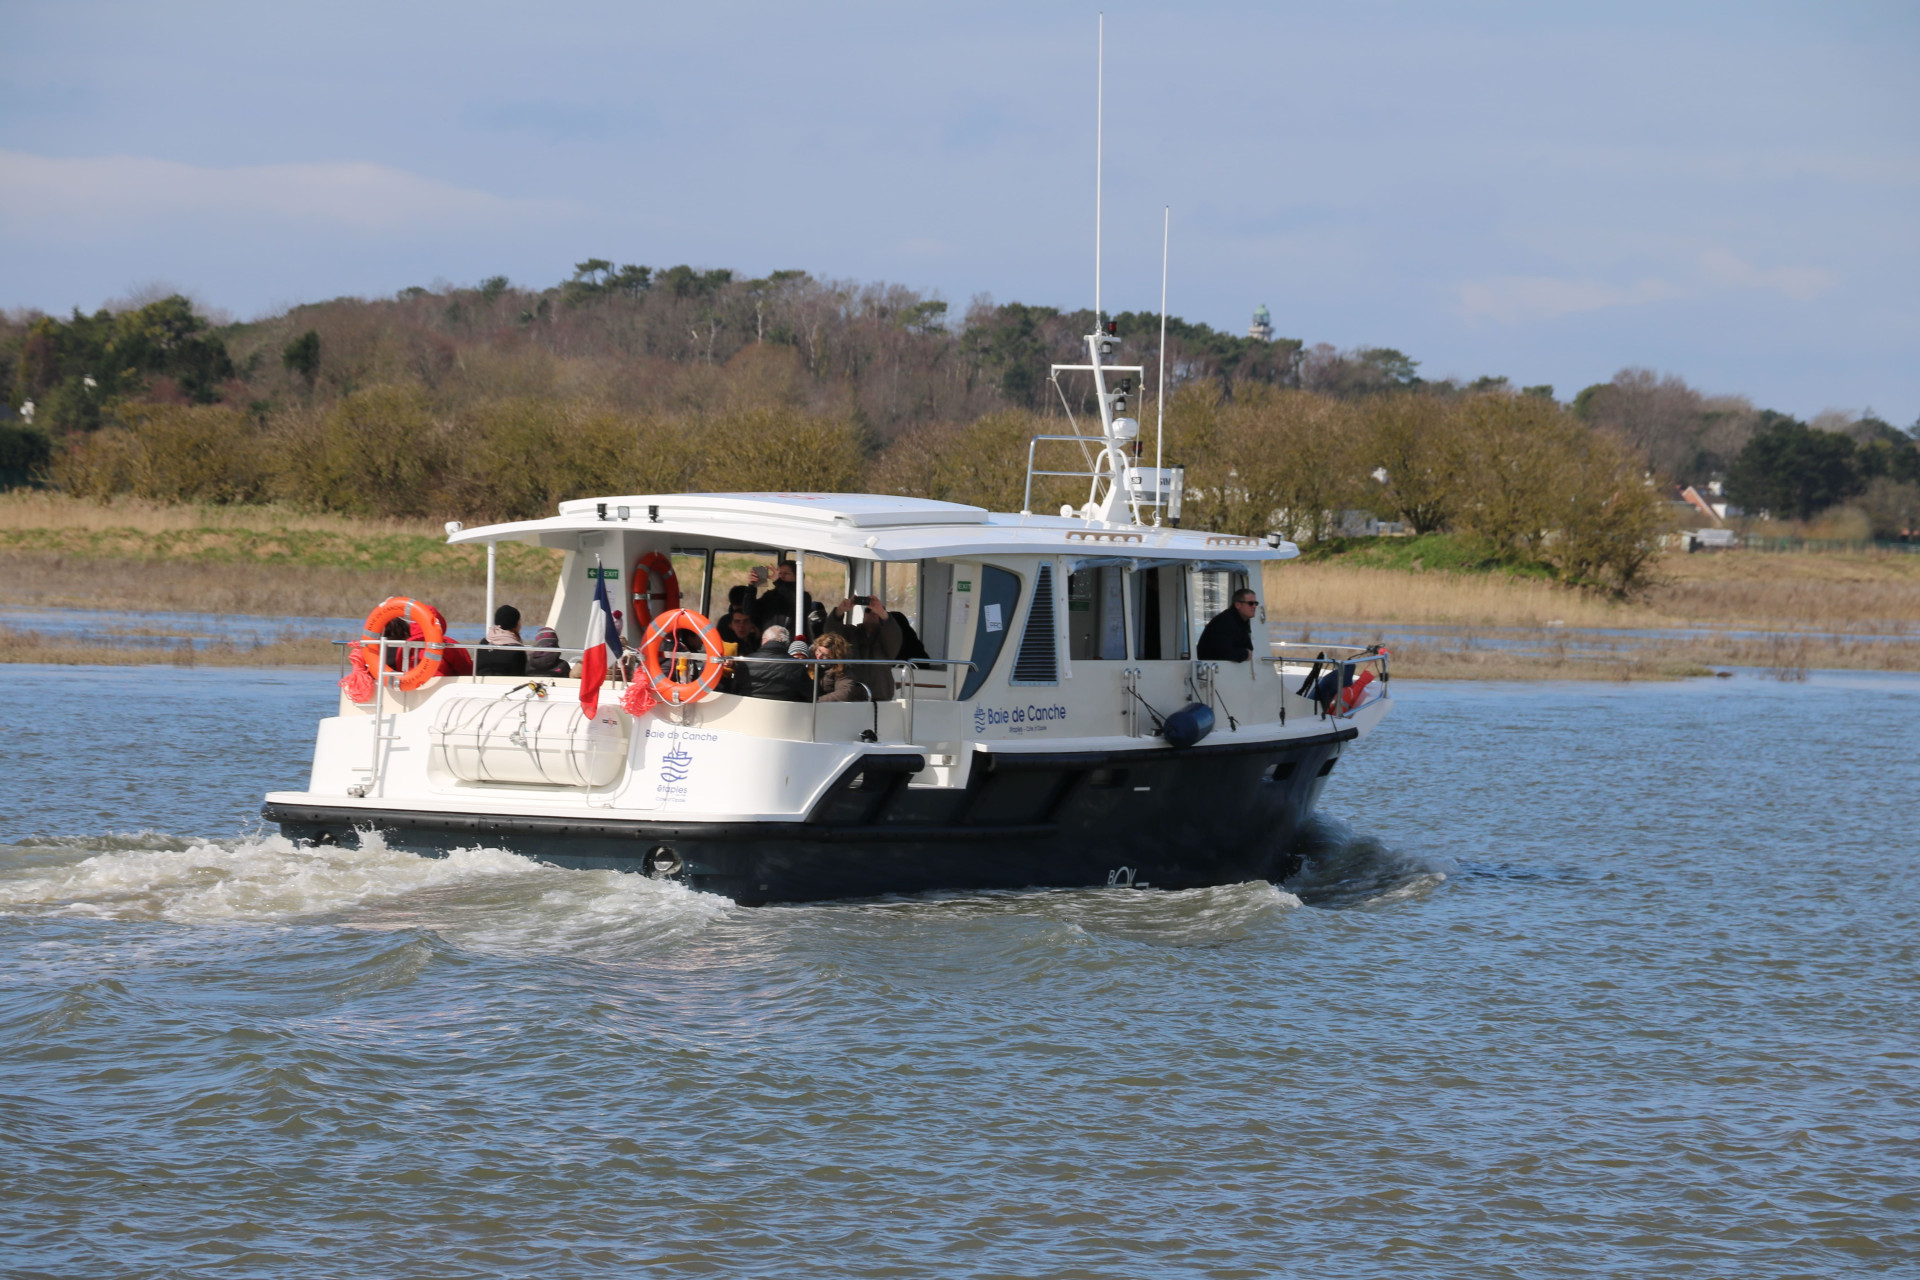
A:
(603, 648)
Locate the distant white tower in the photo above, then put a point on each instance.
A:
(1262, 327)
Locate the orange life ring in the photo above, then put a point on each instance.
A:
(663, 587)
(429, 623)
(670, 686)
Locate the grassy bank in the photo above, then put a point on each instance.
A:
(31, 646)
(58, 552)
(1458, 657)
(1815, 606)
(1436, 581)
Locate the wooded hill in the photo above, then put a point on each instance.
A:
(499, 401)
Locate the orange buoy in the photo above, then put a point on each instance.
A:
(423, 616)
(676, 686)
(661, 593)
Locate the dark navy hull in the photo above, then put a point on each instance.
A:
(1218, 813)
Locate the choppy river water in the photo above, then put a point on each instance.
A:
(1584, 980)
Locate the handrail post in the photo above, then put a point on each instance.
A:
(379, 702)
(493, 556)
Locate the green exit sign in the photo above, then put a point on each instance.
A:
(595, 571)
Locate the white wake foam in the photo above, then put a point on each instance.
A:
(478, 896)
(1343, 867)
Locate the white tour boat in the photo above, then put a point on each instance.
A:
(1063, 729)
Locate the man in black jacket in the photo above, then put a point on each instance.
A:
(777, 601)
(780, 677)
(1229, 637)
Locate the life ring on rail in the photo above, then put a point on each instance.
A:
(671, 685)
(661, 594)
(422, 616)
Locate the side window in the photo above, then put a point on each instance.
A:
(1036, 661)
(690, 571)
(999, 597)
(898, 586)
(1096, 614)
(1212, 590)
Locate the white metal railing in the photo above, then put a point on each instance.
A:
(1341, 663)
(902, 669)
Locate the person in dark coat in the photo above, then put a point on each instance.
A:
(1229, 637)
(777, 600)
(506, 652)
(781, 677)
(740, 632)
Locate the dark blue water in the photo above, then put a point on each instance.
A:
(1585, 980)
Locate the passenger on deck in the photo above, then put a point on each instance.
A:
(1229, 636)
(838, 682)
(454, 660)
(741, 632)
(774, 673)
(507, 652)
(777, 601)
(877, 636)
(396, 633)
(549, 665)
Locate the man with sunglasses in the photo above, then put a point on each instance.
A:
(1229, 637)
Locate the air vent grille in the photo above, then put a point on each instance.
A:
(1036, 662)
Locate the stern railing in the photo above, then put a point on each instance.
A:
(1341, 660)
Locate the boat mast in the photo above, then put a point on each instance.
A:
(1119, 433)
(1099, 153)
(1160, 387)
(1116, 431)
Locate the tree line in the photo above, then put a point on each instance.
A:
(498, 401)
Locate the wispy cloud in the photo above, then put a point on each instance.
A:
(1514, 298)
(1799, 283)
(48, 193)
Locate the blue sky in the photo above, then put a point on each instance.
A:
(1730, 192)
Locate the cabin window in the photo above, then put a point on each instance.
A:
(1160, 628)
(1097, 614)
(897, 583)
(691, 571)
(1037, 661)
(999, 597)
(829, 578)
(1212, 592)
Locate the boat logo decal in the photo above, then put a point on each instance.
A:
(1027, 719)
(677, 765)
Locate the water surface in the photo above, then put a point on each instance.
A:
(1584, 979)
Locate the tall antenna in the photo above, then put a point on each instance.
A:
(1099, 123)
(1160, 388)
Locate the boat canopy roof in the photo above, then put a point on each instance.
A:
(868, 525)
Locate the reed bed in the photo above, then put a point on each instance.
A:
(59, 552)
(1858, 593)
(60, 581)
(32, 646)
(23, 509)
(1783, 657)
